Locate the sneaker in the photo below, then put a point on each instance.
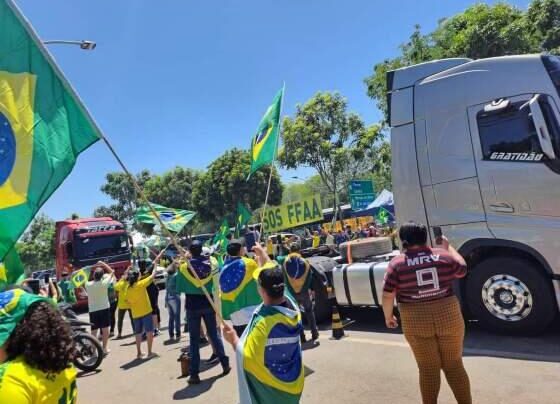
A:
(226, 370)
(111, 334)
(203, 341)
(156, 332)
(194, 379)
(315, 336)
(213, 359)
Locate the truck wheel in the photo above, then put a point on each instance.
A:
(323, 310)
(510, 295)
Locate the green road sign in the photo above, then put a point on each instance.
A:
(361, 193)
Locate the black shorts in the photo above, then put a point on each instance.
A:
(100, 319)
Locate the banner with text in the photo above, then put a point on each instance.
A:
(293, 214)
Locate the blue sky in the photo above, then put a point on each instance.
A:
(181, 82)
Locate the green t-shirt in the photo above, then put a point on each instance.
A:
(68, 294)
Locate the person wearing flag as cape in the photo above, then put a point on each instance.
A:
(268, 354)
(300, 278)
(36, 351)
(238, 288)
(199, 308)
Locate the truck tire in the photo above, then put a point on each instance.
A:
(323, 309)
(510, 295)
(366, 247)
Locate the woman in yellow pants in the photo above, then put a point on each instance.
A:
(421, 279)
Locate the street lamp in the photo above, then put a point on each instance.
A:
(85, 45)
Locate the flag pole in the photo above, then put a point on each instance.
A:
(164, 228)
(274, 158)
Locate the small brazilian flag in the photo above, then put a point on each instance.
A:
(243, 217)
(265, 141)
(173, 219)
(43, 125)
(220, 239)
(80, 277)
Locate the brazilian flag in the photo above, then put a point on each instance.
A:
(265, 142)
(270, 364)
(43, 125)
(298, 273)
(11, 270)
(191, 284)
(80, 277)
(243, 217)
(238, 286)
(220, 239)
(173, 219)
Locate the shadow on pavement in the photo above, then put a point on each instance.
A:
(136, 362)
(310, 345)
(83, 373)
(195, 390)
(478, 342)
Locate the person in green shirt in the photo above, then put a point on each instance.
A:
(68, 294)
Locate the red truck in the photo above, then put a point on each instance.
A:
(84, 242)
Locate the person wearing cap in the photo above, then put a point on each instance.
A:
(300, 278)
(269, 354)
(197, 273)
(67, 291)
(239, 292)
(36, 351)
(98, 302)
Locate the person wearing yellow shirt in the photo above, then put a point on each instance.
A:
(36, 351)
(316, 239)
(123, 307)
(137, 298)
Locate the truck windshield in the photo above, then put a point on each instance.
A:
(101, 246)
(552, 64)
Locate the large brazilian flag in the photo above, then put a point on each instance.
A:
(269, 357)
(264, 143)
(238, 287)
(43, 125)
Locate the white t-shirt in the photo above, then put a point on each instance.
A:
(98, 297)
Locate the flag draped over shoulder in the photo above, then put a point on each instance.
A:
(237, 286)
(269, 356)
(298, 273)
(265, 141)
(43, 125)
(11, 270)
(173, 219)
(243, 217)
(80, 277)
(187, 281)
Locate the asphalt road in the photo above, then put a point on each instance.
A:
(369, 365)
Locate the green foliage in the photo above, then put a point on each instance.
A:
(480, 31)
(217, 191)
(172, 189)
(321, 135)
(36, 247)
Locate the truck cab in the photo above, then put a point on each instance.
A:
(83, 242)
(476, 151)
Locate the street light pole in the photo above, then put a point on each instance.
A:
(85, 45)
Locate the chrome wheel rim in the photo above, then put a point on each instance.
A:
(507, 298)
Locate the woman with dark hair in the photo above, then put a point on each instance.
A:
(421, 279)
(36, 351)
(139, 302)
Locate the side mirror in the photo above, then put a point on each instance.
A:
(543, 133)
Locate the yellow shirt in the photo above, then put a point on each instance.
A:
(137, 298)
(121, 288)
(316, 241)
(22, 384)
(269, 247)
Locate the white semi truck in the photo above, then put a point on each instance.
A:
(476, 151)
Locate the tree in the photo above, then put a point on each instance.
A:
(120, 188)
(480, 31)
(172, 189)
(36, 247)
(321, 135)
(373, 150)
(217, 191)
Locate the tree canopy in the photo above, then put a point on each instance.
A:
(217, 191)
(480, 31)
(36, 247)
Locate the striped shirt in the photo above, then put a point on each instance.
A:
(422, 274)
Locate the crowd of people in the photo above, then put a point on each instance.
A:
(258, 299)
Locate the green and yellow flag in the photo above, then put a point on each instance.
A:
(11, 270)
(220, 239)
(43, 125)
(80, 277)
(265, 142)
(173, 219)
(243, 217)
